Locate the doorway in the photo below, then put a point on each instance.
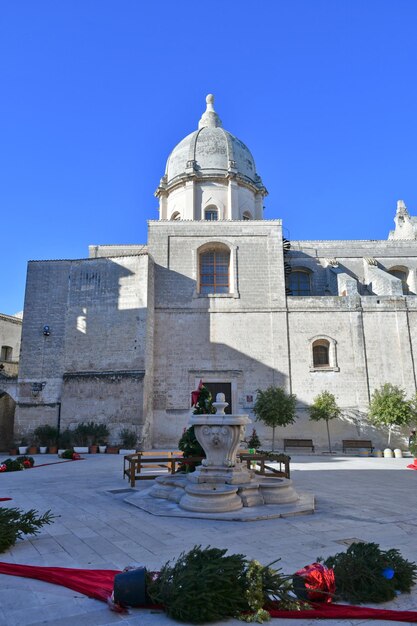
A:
(225, 388)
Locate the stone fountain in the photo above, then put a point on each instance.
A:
(222, 486)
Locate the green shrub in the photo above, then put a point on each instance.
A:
(65, 439)
(365, 573)
(128, 438)
(13, 465)
(46, 435)
(67, 454)
(14, 523)
(26, 460)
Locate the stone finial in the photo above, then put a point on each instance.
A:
(332, 262)
(371, 261)
(209, 118)
(401, 207)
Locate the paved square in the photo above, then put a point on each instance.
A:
(369, 499)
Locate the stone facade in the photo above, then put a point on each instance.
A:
(10, 337)
(132, 329)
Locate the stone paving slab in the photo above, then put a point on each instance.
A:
(356, 497)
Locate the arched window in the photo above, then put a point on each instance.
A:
(321, 353)
(300, 283)
(6, 353)
(176, 215)
(211, 214)
(214, 270)
(246, 216)
(402, 274)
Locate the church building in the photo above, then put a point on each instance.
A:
(218, 294)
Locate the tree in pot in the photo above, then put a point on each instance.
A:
(324, 407)
(128, 437)
(389, 407)
(275, 407)
(47, 437)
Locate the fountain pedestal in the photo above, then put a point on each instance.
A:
(213, 486)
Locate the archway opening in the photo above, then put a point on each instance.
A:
(7, 409)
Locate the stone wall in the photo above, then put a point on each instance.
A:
(96, 313)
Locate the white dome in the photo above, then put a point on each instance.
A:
(211, 151)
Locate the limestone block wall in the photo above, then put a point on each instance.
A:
(256, 257)
(314, 256)
(10, 335)
(375, 344)
(96, 311)
(240, 339)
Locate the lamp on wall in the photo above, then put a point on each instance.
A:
(37, 388)
(46, 330)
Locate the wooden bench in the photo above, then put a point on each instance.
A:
(298, 443)
(134, 464)
(263, 462)
(357, 444)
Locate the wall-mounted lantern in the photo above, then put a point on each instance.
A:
(37, 388)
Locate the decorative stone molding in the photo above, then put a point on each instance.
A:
(371, 261)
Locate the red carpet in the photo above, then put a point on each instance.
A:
(98, 584)
(4, 499)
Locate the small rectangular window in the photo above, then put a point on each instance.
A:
(6, 353)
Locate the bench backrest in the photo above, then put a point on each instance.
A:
(363, 442)
(297, 442)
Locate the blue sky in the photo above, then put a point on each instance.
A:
(94, 94)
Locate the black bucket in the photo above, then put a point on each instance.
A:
(130, 587)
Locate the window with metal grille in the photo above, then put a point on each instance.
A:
(300, 283)
(214, 271)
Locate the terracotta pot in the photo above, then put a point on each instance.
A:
(13, 451)
(53, 449)
(93, 449)
(33, 450)
(112, 450)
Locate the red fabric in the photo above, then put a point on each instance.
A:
(4, 499)
(94, 583)
(413, 466)
(196, 394)
(345, 611)
(319, 582)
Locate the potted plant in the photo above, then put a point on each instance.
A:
(64, 440)
(102, 434)
(13, 449)
(47, 437)
(128, 438)
(413, 447)
(81, 438)
(23, 445)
